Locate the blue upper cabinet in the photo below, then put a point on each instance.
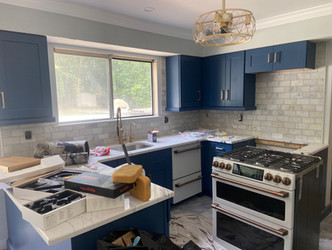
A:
(183, 83)
(24, 79)
(214, 80)
(225, 85)
(281, 57)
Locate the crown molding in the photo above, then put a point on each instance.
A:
(103, 16)
(297, 16)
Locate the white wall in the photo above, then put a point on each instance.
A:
(28, 20)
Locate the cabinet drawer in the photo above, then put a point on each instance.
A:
(187, 186)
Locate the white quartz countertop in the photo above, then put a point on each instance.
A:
(88, 220)
(167, 142)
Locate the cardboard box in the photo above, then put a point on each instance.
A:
(125, 240)
(98, 203)
(99, 184)
(56, 216)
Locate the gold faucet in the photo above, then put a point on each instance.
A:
(119, 128)
(131, 137)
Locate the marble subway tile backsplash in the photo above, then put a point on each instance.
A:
(290, 107)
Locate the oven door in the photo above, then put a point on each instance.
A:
(262, 201)
(233, 229)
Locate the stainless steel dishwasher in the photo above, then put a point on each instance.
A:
(187, 175)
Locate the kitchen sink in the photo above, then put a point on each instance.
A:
(132, 146)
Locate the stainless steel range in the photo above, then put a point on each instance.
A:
(265, 199)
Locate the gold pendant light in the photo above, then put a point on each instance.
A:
(224, 27)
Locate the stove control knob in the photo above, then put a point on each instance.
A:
(222, 165)
(228, 166)
(215, 164)
(268, 176)
(277, 179)
(286, 181)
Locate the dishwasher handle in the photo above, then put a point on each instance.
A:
(187, 149)
(188, 182)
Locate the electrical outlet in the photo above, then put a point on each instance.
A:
(28, 135)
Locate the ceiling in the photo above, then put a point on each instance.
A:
(182, 13)
(176, 17)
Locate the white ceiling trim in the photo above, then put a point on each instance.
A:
(95, 14)
(297, 16)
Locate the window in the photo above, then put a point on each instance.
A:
(92, 86)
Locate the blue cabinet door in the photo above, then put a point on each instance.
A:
(157, 166)
(259, 60)
(190, 82)
(294, 56)
(214, 81)
(183, 83)
(234, 79)
(281, 57)
(24, 79)
(225, 85)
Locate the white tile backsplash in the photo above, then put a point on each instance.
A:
(290, 107)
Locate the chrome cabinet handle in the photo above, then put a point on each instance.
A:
(217, 148)
(3, 100)
(187, 182)
(281, 194)
(221, 95)
(199, 95)
(281, 231)
(226, 95)
(268, 57)
(275, 57)
(187, 149)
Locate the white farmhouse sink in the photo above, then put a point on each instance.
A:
(132, 146)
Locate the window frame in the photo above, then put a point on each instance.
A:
(109, 54)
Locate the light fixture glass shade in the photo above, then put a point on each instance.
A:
(224, 27)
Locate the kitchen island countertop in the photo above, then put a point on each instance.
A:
(89, 220)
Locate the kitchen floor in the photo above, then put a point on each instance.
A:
(192, 220)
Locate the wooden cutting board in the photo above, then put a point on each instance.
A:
(14, 163)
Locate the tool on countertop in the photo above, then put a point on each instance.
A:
(119, 130)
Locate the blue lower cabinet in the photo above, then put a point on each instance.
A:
(157, 166)
(22, 235)
(153, 219)
(211, 149)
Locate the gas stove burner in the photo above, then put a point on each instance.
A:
(282, 161)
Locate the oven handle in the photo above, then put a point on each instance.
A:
(281, 231)
(282, 194)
